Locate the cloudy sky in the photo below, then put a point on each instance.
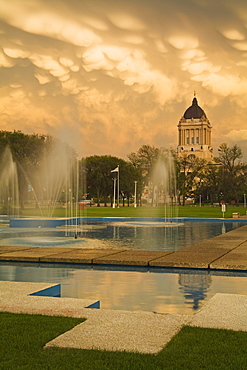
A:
(109, 76)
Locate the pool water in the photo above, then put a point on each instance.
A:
(179, 291)
(135, 236)
(150, 289)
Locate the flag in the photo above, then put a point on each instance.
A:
(115, 169)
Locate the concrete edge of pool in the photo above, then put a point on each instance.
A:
(46, 222)
(224, 252)
(116, 330)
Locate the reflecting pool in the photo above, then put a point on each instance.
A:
(144, 235)
(148, 289)
(151, 289)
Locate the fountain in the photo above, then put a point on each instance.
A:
(58, 181)
(162, 191)
(163, 184)
(9, 194)
(52, 183)
(55, 181)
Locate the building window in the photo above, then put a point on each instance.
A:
(188, 140)
(191, 156)
(192, 140)
(197, 140)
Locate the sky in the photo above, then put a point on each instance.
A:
(110, 76)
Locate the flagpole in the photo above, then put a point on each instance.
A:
(135, 182)
(118, 187)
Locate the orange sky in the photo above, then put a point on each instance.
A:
(109, 76)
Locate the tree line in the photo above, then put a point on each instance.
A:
(223, 179)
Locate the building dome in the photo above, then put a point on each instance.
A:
(194, 111)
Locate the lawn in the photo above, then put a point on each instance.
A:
(145, 211)
(23, 337)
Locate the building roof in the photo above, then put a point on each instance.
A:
(194, 111)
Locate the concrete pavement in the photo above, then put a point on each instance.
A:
(227, 251)
(115, 330)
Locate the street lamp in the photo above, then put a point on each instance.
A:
(135, 193)
(245, 200)
(114, 192)
(118, 187)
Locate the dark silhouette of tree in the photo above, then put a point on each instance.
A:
(232, 172)
(99, 177)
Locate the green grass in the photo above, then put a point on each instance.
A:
(145, 211)
(22, 338)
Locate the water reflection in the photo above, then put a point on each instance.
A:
(194, 288)
(170, 237)
(159, 290)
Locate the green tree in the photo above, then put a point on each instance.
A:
(191, 173)
(232, 172)
(144, 160)
(39, 163)
(212, 186)
(99, 177)
(27, 151)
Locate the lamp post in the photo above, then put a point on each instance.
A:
(245, 200)
(118, 187)
(116, 170)
(114, 192)
(135, 194)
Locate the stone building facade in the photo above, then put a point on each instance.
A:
(194, 133)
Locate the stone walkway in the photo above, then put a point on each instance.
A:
(227, 251)
(115, 330)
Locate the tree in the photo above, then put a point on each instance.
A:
(232, 171)
(190, 175)
(211, 187)
(27, 151)
(229, 157)
(144, 160)
(39, 163)
(99, 177)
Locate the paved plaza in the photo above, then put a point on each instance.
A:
(138, 331)
(225, 252)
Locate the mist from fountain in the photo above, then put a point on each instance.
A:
(51, 183)
(163, 185)
(162, 191)
(56, 181)
(9, 192)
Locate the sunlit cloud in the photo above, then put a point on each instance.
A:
(126, 21)
(5, 61)
(40, 19)
(241, 45)
(183, 42)
(237, 135)
(112, 78)
(234, 34)
(42, 78)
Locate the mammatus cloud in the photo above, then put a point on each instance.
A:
(110, 79)
(237, 135)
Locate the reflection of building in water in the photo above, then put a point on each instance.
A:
(194, 287)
